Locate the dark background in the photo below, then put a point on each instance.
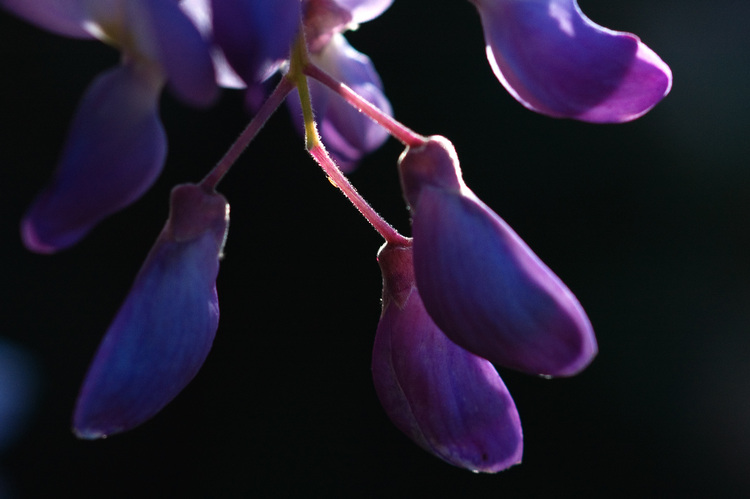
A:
(646, 222)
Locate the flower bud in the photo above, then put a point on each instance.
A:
(165, 328)
(447, 400)
(480, 283)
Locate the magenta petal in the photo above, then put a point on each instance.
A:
(114, 152)
(167, 35)
(481, 284)
(450, 402)
(166, 326)
(555, 61)
(64, 17)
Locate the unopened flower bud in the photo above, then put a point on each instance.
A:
(481, 284)
(447, 400)
(165, 328)
(556, 61)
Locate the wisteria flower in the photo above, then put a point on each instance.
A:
(165, 328)
(116, 144)
(450, 402)
(556, 61)
(480, 283)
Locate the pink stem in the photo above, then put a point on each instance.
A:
(213, 178)
(385, 229)
(405, 135)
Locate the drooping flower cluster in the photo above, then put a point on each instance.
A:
(464, 293)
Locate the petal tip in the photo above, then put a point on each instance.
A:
(89, 434)
(32, 240)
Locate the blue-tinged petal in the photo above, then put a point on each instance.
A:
(255, 35)
(347, 134)
(555, 61)
(450, 402)
(165, 328)
(114, 152)
(481, 284)
(160, 30)
(64, 17)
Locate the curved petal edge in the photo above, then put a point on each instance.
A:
(450, 402)
(555, 61)
(164, 330)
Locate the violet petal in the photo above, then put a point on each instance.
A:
(321, 20)
(449, 401)
(167, 36)
(481, 284)
(255, 35)
(63, 17)
(200, 13)
(115, 150)
(556, 61)
(166, 326)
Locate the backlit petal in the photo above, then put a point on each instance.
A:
(114, 152)
(347, 134)
(481, 284)
(199, 11)
(364, 10)
(165, 328)
(163, 32)
(555, 61)
(64, 17)
(449, 401)
(255, 35)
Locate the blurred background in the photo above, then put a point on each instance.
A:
(646, 222)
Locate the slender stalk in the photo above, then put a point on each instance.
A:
(213, 178)
(338, 179)
(298, 65)
(405, 135)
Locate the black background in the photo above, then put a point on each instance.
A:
(646, 222)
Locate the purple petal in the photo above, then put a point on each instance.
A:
(199, 12)
(325, 18)
(255, 35)
(64, 17)
(555, 61)
(450, 402)
(114, 152)
(322, 19)
(163, 32)
(19, 392)
(165, 328)
(347, 134)
(364, 10)
(480, 282)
